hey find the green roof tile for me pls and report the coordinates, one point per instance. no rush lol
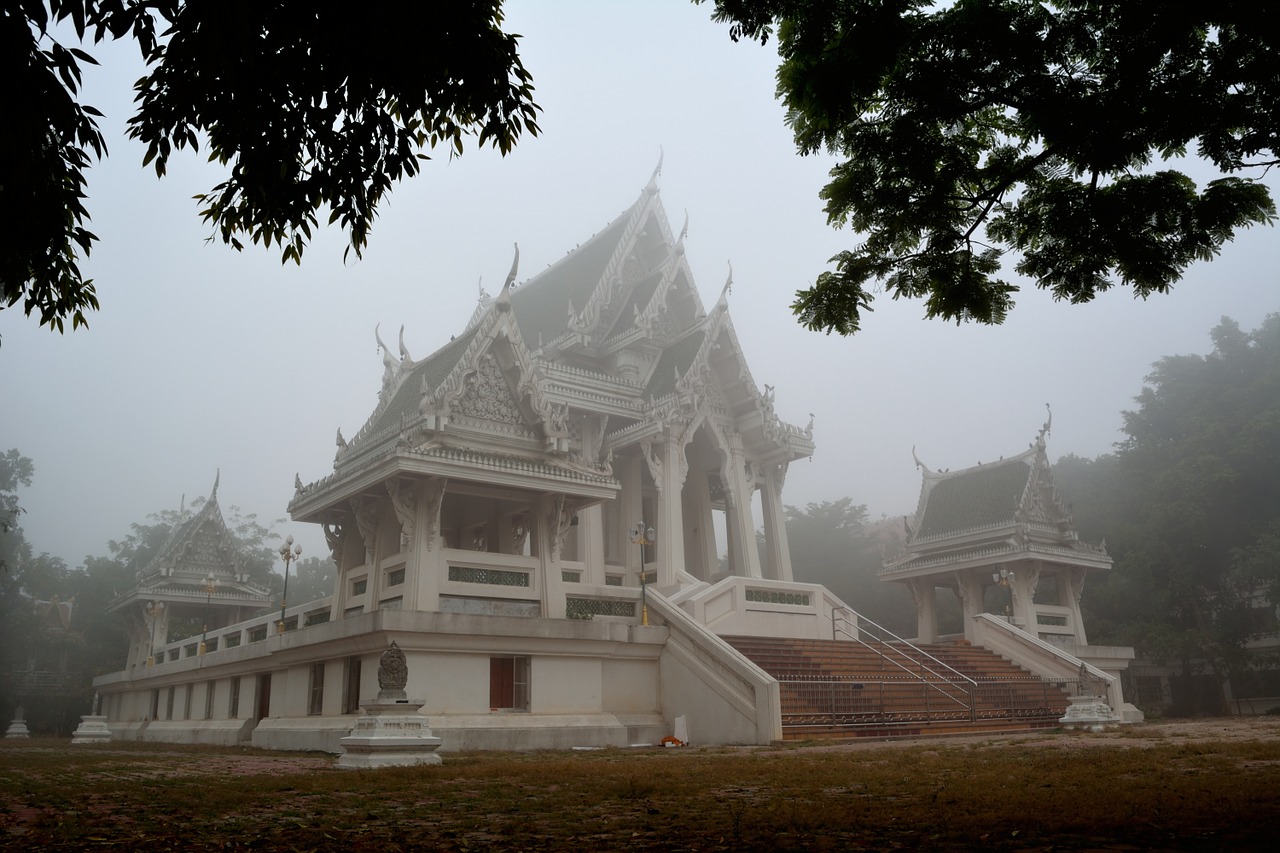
(977, 498)
(675, 358)
(541, 305)
(435, 369)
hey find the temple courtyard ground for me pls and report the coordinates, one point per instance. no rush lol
(1210, 784)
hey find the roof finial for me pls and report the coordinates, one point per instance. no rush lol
(504, 298)
(919, 464)
(723, 302)
(217, 478)
(480, 287)
(1048, 426)
(652, 186)
(404, 353)
(182, 507)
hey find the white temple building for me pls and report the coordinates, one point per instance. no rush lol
(530, 514)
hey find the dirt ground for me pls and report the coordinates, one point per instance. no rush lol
(257, 763)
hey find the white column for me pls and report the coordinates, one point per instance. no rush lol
(700, 545)
(426, 564)
(550, 521)
(591, 543)
(775, 523)
(669, 526)
(743, 552)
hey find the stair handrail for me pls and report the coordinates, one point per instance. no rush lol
(969, 689)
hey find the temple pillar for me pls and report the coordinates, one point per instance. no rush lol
(669, 525)
(591, 543)
(1071, 587)
(744, 555)
(426, 563)
(776, 545)
(969, 591)
(700, 547)
(630, 512)
(925, 595)
(553, 523)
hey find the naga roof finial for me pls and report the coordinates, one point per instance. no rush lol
(217, 478)
(652, 186)
(504, 296)
(723, 302)
(684, 232)
(919, 464)
(1048, 426)
(404, 353)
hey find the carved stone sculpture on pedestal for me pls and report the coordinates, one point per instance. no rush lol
(391, 733)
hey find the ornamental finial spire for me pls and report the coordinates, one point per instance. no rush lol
(1048, 426)
(504, 297)
(652, 186)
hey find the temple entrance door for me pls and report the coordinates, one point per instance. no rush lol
(263, 703)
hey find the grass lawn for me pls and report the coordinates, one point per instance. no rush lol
(1153, 788)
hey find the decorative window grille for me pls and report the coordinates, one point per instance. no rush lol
(353, 611)
(233, 703)
(494, 577)
(211, 645)
(359, 587)
(395, 577)
(613, 580)
(571, 577)
(232, 640)
(587, 608)
(208, 699)
(396, 603)
(258, 633)
(773, 596)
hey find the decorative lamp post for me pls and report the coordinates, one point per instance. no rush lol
(154, 610)
(642, 536)
(288, 552)
(1005, 577)
(210, 584)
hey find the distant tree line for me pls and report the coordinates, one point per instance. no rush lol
(49, 667)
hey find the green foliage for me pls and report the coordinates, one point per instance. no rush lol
(984, 126)
(1189, 507)
(311, 106)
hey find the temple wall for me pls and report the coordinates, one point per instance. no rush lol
(590, 683)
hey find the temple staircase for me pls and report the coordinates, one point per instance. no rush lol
(863, 687)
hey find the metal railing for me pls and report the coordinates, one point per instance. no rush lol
(816, 704)
(954, 685)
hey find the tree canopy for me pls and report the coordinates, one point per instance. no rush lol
(311, 106)
(1189, 507)
(980, 127)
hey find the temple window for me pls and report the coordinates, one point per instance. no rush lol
(509, 683)
(233, 699)
(315, 691)
(351, 686)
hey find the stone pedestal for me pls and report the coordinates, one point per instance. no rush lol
(92, 729)
(18, 728)
(1089, 713)
(391, 734)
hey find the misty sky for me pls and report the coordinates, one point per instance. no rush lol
(202, 358)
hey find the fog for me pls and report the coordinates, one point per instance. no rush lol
(203, 359)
